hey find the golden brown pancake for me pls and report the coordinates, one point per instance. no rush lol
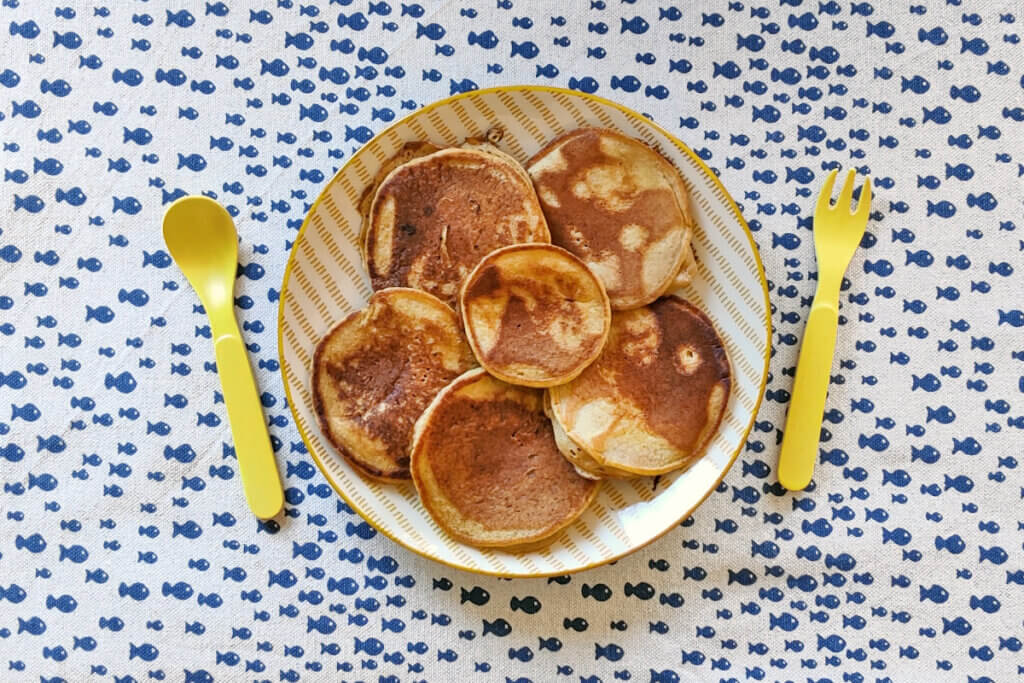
(687, 271)
(435, 217)
(409, 151)
(486, 466)
(534, 314)
(376, 371)
(415, 149)
(654, 398)
(488, 143)
(619, 206)
(585, 465)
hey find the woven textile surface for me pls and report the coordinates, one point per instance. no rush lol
(126, 549)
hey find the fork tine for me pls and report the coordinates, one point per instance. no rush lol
(864, 204)
(846, 194)
(825, 198)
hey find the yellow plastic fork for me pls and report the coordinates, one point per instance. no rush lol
(837, 232)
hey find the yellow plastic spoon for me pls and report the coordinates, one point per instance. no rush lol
(202, 240)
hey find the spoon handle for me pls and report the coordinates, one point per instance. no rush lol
(260, 478)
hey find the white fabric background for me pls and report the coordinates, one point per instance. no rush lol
(903, 635)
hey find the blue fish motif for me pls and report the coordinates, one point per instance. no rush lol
(310, 551)
(136, 591)
(935, 593)
(943, 209)
(70, 40)
(31, 203)
(323, 625)
(586, 84)
(188, 529)
(314, 112)
(968, 93)
(954, 544)
(158, 259)
(58, 87)
(882, 29)
(985, 201)
(752, 42)
(209, 599)
(767, 113)
(551, 71)
(356, 21)
(183, 454)
(976, 46)
(277, 67)
(130, 77)
(939, 115)
(958, 626)
(28, 30)
(34, 626)
(527, 49)
(431, 31)
(771, 99)
(182, 18)
(301, 40)
(361, 134)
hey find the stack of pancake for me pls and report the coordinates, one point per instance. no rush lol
(552, 277)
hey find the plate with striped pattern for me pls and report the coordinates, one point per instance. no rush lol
(325, 280)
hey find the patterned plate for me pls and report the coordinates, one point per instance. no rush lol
(325, 280)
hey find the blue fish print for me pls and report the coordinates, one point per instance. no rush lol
(94, 150)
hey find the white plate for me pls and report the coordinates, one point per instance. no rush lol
(325, 280)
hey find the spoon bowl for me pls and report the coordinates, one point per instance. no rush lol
(203, 242)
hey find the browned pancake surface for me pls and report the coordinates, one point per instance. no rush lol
(409, 151)
(487, 467)
(534, 314)
(662, 379)
(618, 205)
(678, 370)
(376, 371)
(434, 218)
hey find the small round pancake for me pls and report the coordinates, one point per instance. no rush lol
(619, 206)
(534, 314)
(581, 461)
(488, 143)
(688, 270)
(375, 372)
(408, 152)
(435, 217)
(486, 466)
(655, 397)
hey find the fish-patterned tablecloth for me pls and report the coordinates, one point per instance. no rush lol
(126, 550)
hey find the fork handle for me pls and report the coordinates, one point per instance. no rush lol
(807, 404)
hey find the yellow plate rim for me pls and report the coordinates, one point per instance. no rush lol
(633, 115)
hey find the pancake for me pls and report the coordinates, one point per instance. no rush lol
(486, 466)
(488, 143)
(534, 314)
(415, 149)
(435, 217)
(620, 207)
(654, 398)
(687, 271)
(409, 151)
(376, 371)
(585, 465)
